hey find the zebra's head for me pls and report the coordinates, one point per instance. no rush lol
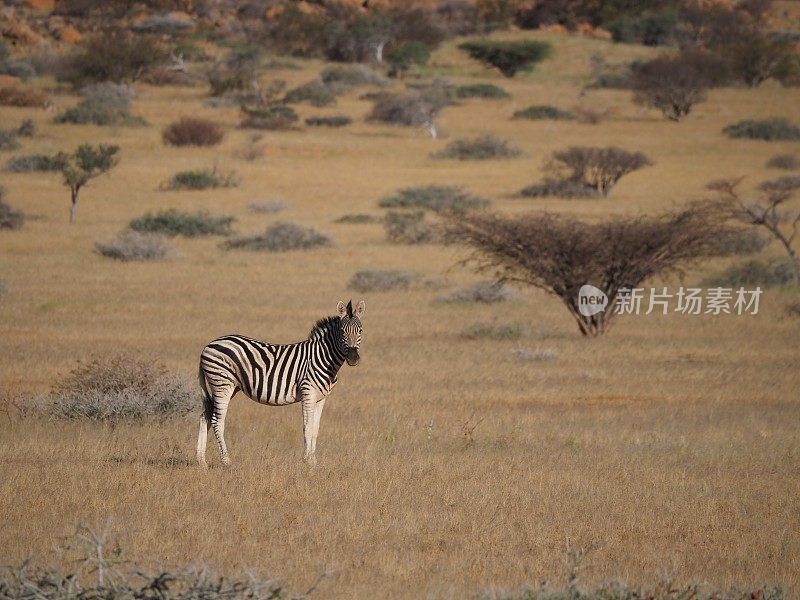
(351, 329)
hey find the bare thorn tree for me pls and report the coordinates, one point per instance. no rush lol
(598, 168)
(769, 211)
(87, 162)
(558, 254)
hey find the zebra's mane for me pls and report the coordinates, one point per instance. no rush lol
(322, 326)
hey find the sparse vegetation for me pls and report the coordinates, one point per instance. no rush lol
(120, 387)
(102, 104)
(774, 129)
(9, 217)
(201, 179)
(437, 198)
(114, 57)
(20, 97)
(507, 57)
(559, 188)
(787, 162)
(134, 246)
(483, 147)
(272, 206)
(35, 163)
(347, 76)
(406, 227)
(414, 109)
(272, 118)
(492, 331)
(315, 93)
(358, 218)
(754, 273)
(543, 112)
(282, 236)
(192, 131)
(481, 292)
(329, 121)
(480, 90)
(375, 280)
(173, 222)
(739, 242)
(8, 139)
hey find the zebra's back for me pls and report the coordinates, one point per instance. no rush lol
(267, 373)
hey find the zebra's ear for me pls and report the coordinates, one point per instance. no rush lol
(362, 306)
(341, 309)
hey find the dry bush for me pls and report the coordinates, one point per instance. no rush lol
(414, 109)
(192, 131)
(777, 272)
(253, 149)
(738, 242)
(273, 117)
(173, 222)
(14, 96)
(329, 121)
(10, 218)
(166, 75)
(121, 387)
(132, 245)
(793, 309)
(598, 168)
(270, 207)
(590, 114)
(358, 219)
(534, 355)
(480, 90)
(115, 56)
(543, 112)
(102, 104)
(201, 179)
(492, 331)
(342, 77)
(8, 139)
(483, 147)
(559, 188)
(375, 280)
(281, 237)
(774, 129)
(482, 292)
(315, 93)
(560, 254)
(437, 198)
(783, 161)
(408, 228)
(35, 163)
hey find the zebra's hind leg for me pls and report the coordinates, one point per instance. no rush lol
(202, 436)
(219, 408)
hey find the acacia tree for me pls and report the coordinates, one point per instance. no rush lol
(508, 57)
(768, 212)
(559, 254)
(87, 162)
(598, 168)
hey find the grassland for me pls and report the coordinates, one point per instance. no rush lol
(448, 467)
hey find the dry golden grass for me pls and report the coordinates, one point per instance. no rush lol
(670, 444)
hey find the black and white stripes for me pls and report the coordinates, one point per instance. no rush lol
(277, 374)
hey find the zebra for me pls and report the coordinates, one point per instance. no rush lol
(277, 375)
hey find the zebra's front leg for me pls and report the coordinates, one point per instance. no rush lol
(317, 416)
(309, 417)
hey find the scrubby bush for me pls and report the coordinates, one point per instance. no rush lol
(102, 104)
(483, 147)
(408, 227)
(480, 90)
(492, 331)
(414, 109)
(651, 28)
(281, 237)
(9, 217)
(173, 222)
(375, 280)
(403, 56)
(358, 218)
(347, 76)
(559, 188)
(272, 118)
(167, 75)
(132, 245)
(774, 129)
(270, 207)
(192, 131)
(754, 273)
(329, 121)
(26, 129)
(483, 292)
(116, 56)
(18, 67)
(35, 163)
(507, 57)
(599, 168)
(438, 198)
(119, 387)
(14, 96)
(737, 242)
(201, 179)
(783, 161)
(543, 112)
(315, 93)
(534, 355)
(8, 139)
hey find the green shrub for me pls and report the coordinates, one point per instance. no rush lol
(272, 118)
(543, 112)
(331, 121)
(767, 129)
(374, 280)
(479, 90)
(192, 131)
(649, 28)
(131, 245)
(102, 104)
(201, 179)
(508, 57)
(115, 57)
(358, 218)
(438, 198)
(407, 227)
(483, 147)
(778, 272)
(315, 93)
(172, 222)
(783, 161)
(281, 237)
(35, 163)
(403, 56)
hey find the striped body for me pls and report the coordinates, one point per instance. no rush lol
(277, 375)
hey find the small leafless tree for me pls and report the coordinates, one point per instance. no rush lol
(559, 254)
(415, 109)
(768, 211)
(674, 84)
(598, 168)
(87, 162)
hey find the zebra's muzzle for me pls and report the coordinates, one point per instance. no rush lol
(352, 357)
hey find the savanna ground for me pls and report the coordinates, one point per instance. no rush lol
(447, 467)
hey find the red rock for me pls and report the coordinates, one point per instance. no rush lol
(69, 35)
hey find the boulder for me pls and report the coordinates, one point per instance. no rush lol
(69, 35)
